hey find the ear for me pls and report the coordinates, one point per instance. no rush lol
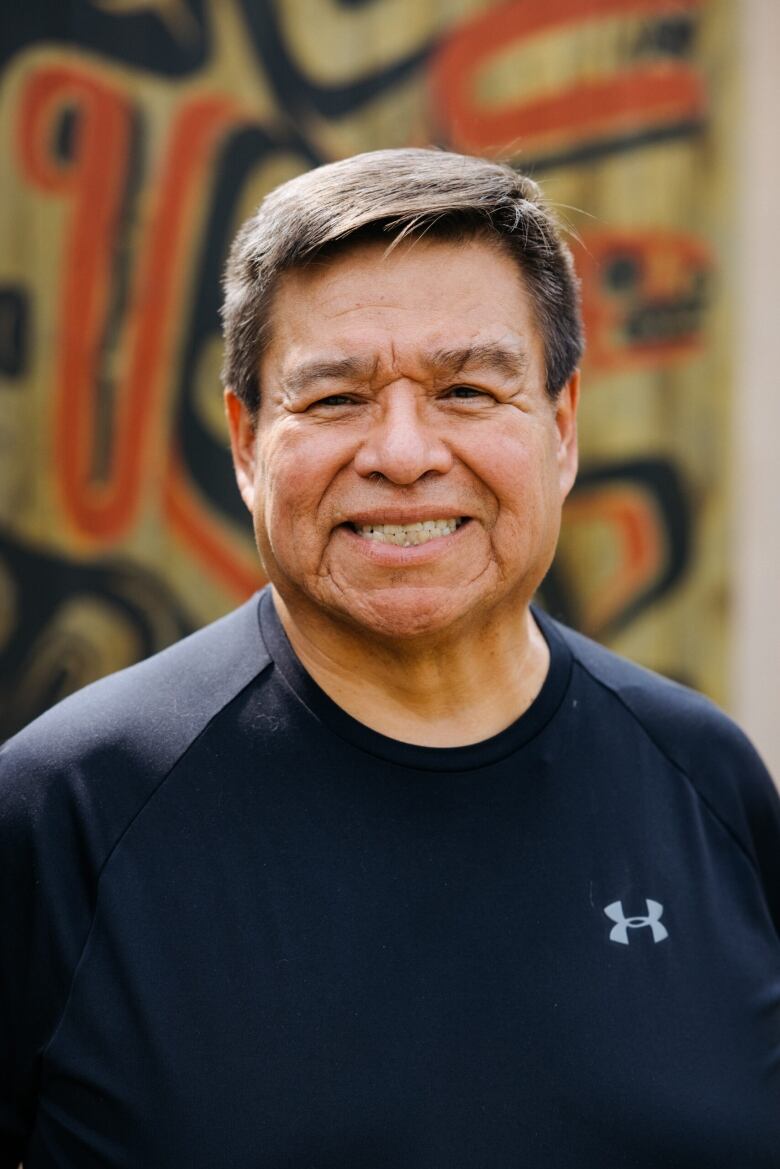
(243, 445)
(566, 425)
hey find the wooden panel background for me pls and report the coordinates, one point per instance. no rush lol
(137, 134)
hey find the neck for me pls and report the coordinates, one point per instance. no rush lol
(440, 693)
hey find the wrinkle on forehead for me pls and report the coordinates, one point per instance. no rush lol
(505, 358)
(418, 314)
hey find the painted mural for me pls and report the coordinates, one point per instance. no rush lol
(137, 134)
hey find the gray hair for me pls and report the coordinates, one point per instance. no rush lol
(393, 195)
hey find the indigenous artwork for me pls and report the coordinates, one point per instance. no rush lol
(137, 134)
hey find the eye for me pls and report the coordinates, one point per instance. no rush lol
(332, 400)
(464, 393)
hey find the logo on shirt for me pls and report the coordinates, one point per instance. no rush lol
(619, 931)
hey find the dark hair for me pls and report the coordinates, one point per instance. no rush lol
(393, 195)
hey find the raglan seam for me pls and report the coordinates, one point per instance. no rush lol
(724, 824)
(123, 833)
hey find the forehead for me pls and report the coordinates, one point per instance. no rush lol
(421, 295)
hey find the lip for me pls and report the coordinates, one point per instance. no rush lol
(416, 515)
(393, 555)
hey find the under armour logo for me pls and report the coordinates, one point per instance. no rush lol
(619, 932)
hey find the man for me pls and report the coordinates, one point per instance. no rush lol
(387, 868)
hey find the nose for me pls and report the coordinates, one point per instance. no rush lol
(404, 442)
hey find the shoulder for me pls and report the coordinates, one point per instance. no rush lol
(708, 750)
(71, 784)
(682, 722)
(104, 749)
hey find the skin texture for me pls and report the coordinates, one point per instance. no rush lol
(401, 387)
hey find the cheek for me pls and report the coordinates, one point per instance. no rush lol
(517, 472)
(293, 478)
(523, 477)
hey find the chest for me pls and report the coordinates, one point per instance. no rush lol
(443, 983)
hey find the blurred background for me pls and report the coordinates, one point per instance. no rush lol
(136, 135)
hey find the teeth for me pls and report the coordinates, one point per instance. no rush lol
(405, 535)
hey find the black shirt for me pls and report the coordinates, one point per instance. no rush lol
(239, 928)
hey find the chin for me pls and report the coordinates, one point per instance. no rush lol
(407, 614)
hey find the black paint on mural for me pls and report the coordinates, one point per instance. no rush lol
(14, 330)
(173, 40)
(298, 94)
(43, 657)
(663, 485)
(122, 262)
(203, 454)
(598, 149)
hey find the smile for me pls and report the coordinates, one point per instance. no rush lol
(408, 535)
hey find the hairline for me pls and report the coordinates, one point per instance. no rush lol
(390, 196)
(371, 236)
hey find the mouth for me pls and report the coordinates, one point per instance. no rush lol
(408, 535)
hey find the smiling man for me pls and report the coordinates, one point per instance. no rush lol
(388, 868)
(405, 468)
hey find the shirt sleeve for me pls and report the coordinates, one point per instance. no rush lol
(762, 819)
(46, 898)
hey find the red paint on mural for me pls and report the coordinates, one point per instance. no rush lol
(639, 554)
(222, 558)
(645, 296)
(94, 178)
(640, 97)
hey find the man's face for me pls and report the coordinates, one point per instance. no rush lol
(400, 390)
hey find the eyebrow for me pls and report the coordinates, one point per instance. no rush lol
(350, 369)
(510, 361)
(492, 355)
